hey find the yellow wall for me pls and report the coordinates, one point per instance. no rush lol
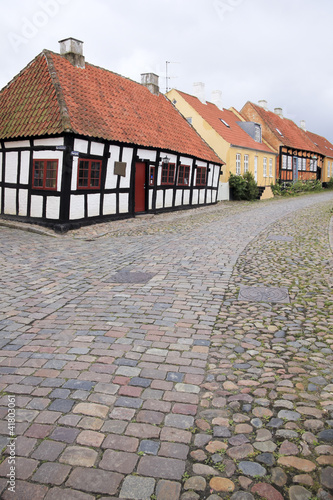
(324, 174)
(221, 147)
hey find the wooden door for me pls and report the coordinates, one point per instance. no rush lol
(140, 187)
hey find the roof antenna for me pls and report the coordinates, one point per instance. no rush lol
(167, 77)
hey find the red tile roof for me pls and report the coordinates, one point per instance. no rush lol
(233, 134)
(291, 135)
(51, 96)
(325, 147)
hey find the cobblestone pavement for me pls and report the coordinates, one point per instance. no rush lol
(181, 356)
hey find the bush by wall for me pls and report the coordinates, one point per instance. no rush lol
(243, 187)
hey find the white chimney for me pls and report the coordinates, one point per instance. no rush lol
(278, 111)
(302, 125)
(263, 104)
(150, 80)
(199, 91)
(217, 98)
(72, 50)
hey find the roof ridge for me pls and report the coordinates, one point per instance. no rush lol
(64, 114)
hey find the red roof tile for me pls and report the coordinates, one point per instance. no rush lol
(325, 147)
(291, 135)
(51, 96)
(233, 134)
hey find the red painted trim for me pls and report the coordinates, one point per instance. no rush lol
(44, 187)
(169, 169)
(88, 178)
(186, 175)
(202, 177)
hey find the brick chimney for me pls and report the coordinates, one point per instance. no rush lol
(217, 98)
(278, 111)
(150, 80)
(72, 50)
(263, 104)
(199, 91)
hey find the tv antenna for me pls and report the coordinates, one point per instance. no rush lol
(167, 77)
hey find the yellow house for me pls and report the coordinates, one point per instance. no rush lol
(237, 142)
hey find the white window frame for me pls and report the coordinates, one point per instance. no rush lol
(290, 163)
(246, 163)
(238, 163)
(265, 166)
(329, 168)
(284, 162)
(271, 167)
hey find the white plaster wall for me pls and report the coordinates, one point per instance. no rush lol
(36, 206)
(24, 174)
(76, 210)
(216, 175)
(0, 167)
(74, 173)
(168, 197)
(93, 204)
(123, 203)
(11, 167)
(52, 207)
(127, 157)
(111, 179)
(195, 197)
(81, 145)
(159, 199)
(209, 196)
(97, 148)
(150, 199)
(186, 197)
(201, 163)
(179, 196)
(202, 196)
(51, 141)
(147, 154)
(17, 144)
(23, 202)
(210, 175)
(10, 201)
(223, 192)
(51, 155)
(109, 204)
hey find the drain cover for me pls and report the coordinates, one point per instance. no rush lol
(280, 237)
(130, 277)
(263, 294)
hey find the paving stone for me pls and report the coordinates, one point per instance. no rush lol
(241, 495)
(122, 443)
(24, 467)
(149, 447)
(298, 463)
(64, 434)
(204, 470)
(94, 480)
(62, 405)
(119, 461)
(127, 402)
(94, 410)
(326, 477)
(173, 450)
(48, 450)
(79, 455)
(51, 473)
(252, 469)
(164, 468)
(179, 421)
(299, 493)
(26, 491)
(221, 484)
(265, 490)
(139, 488)
(196, 483)
(165, 490)
(67, 494)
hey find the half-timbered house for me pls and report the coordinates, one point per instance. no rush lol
(326, 149)
(80, 144)
(299, 158)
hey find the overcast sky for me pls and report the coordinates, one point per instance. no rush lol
(278, 50)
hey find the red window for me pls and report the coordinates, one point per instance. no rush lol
(168, 173)
(201, 176)
(45, 174)
(89, 174)
(184, 175)
(151, 176)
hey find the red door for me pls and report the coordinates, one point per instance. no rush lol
(140, 187)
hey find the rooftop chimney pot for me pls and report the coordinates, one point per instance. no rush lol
(278, 111)
(199, 91)
(302, 125)
(72, 50)
(150, 80)
(263, 104)
(217, 98)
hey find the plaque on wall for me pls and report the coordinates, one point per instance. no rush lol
(120, 168)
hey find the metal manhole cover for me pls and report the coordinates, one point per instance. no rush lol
(280, 237)
(263, 294)
(130, 277)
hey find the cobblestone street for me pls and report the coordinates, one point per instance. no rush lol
(178, 356)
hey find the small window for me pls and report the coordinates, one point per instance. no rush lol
(184, 175)
(238, 164)
(279, 131)
(290, 163)
(189, 120)
(225, 123)
(201, 176)
(45, 174)
(265, 167)
(151, 176)
(168, 173)
(246, 163)
(89, 174)
(270, 167)
(257, 132)
(284, 162)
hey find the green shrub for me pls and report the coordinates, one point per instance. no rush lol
(243, 187)
(329, 184)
